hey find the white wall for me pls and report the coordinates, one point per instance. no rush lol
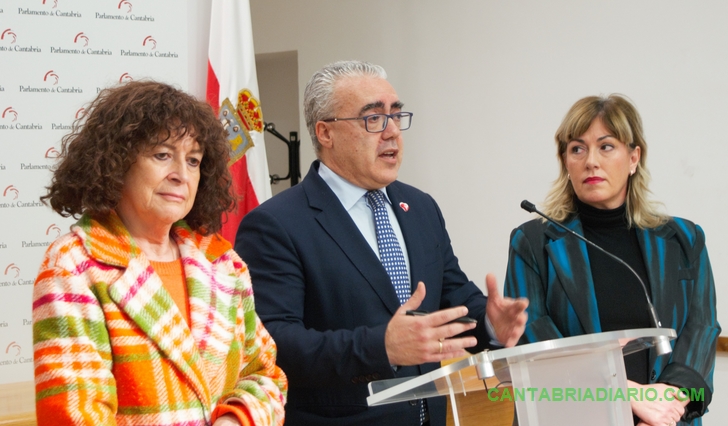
(490, 81)
(718, 408)
(278, 86)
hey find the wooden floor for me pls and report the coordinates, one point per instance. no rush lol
(476, 409)
(24, 419)
(17, 404)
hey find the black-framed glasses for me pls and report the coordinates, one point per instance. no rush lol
(376, 123)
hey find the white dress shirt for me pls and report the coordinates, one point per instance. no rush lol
(354, 201)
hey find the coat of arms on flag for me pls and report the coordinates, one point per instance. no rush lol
(240, 121)
(232, 90)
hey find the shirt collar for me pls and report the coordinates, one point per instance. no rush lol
(347, 193)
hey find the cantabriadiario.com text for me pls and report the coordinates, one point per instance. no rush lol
(559, 394)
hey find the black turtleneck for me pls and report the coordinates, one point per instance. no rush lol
(620, 298)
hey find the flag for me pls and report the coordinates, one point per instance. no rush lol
(232, 90)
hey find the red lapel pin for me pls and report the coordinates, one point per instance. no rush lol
(404, 206)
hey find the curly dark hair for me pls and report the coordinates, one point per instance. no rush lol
(118, 125)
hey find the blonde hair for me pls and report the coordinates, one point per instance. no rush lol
(621, 118)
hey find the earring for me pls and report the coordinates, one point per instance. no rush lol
(631, 172)
(568, 176)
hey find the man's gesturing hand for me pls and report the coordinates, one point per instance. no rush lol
(507, 316)
(414, 340)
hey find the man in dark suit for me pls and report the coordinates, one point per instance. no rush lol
(325, 273)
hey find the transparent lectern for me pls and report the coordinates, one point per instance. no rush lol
(566, 381)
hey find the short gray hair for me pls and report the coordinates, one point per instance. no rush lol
(318, 98)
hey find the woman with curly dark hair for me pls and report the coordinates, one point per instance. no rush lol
(143, 314)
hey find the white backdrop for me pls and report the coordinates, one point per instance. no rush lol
(55, 56)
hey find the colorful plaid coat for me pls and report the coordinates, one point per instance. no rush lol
(112, 348)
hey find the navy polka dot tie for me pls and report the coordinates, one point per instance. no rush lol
(390, 252)
(392, 258)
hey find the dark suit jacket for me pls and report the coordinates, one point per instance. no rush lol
(551, 268)
(326, 299)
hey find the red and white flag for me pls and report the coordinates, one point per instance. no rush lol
(232, 89)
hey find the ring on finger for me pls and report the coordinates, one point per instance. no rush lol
(440, 342)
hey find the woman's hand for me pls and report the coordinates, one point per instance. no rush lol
(662, 411)
(226, 420)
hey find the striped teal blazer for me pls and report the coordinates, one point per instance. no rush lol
(551, 268)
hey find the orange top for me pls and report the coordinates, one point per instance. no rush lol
(173, 278)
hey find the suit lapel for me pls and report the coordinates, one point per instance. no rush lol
(568, 256)
(419, 252)
(337, 223)
(662, 259)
